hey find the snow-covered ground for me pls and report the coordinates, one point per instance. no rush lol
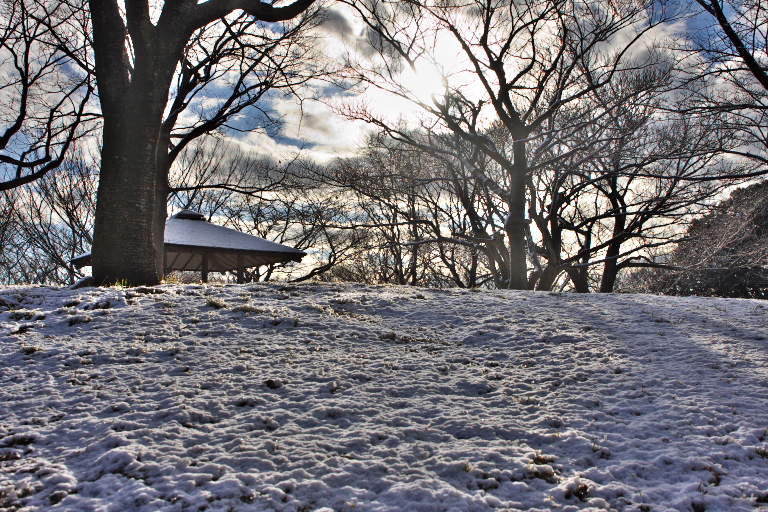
(342, 397)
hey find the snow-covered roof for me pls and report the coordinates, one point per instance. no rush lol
(199, 233)
(188, 237)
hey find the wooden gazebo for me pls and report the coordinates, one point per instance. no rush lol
(193, 244)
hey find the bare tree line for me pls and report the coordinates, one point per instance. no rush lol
(581, 147)
(580, 150)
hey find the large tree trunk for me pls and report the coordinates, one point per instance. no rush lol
(580, 279)
(548, 276)
(130, 209)
(516, 221)
(125, 242)
(610, 267)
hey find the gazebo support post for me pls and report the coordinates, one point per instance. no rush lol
(205, 268)
(240, 269)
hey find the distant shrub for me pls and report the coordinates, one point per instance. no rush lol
(216, 303)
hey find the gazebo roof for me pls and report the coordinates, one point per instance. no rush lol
(190, 240)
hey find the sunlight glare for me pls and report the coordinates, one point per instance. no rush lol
(423, 83)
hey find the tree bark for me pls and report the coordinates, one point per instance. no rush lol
(610, 270)
(579, 278)
(547, 278)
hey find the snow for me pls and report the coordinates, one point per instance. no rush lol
(199, 233)
(341, 397)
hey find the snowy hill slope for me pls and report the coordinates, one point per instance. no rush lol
(347, 397)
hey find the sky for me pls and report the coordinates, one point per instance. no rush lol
(318, 127)
(315, 126)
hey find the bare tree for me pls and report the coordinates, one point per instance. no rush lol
(304, 217)
(402, 196)
(610, 213)
(50, 222)
(385, 188)
(737, 37)
(592, 218)
(532, 60)
(209, 173)
(732, 80)
(252, 63)
(44, 100)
